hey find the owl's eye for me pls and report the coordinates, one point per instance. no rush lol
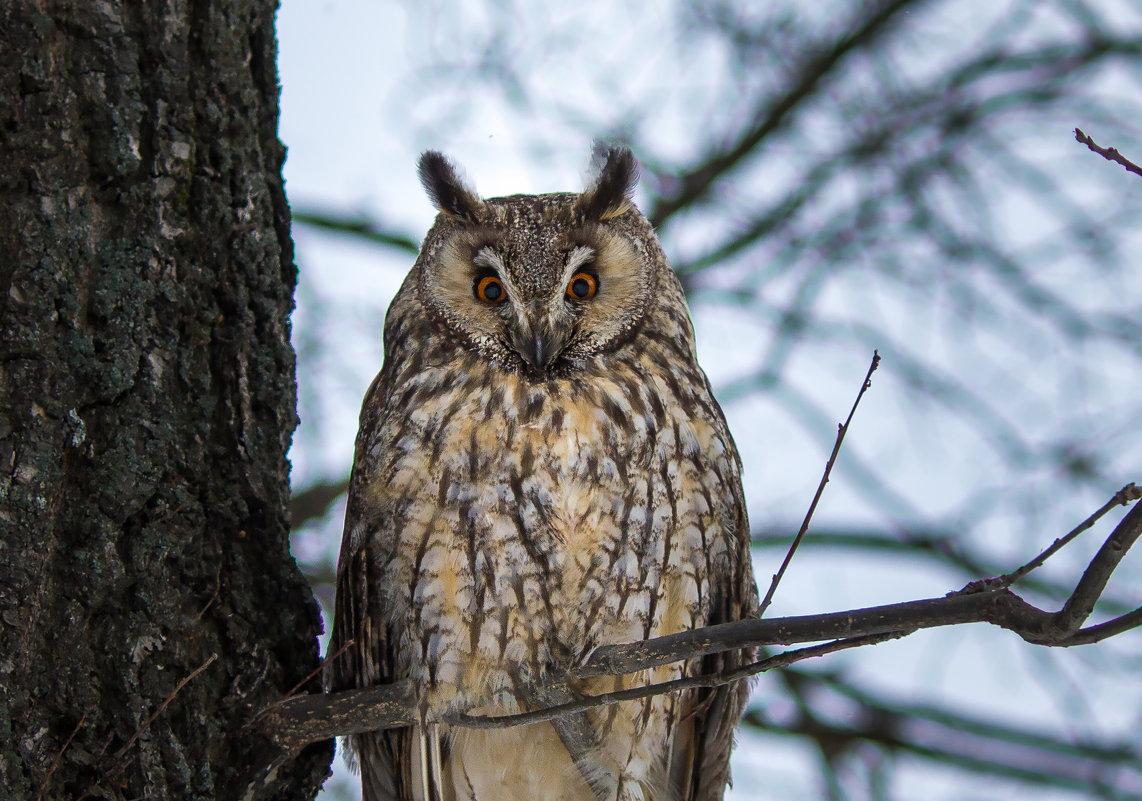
(489, 289)
(582, 286)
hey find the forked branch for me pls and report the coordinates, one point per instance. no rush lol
(301, 720)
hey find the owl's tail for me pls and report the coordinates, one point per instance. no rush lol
(427, 765)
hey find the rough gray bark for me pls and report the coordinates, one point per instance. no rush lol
(146, 402)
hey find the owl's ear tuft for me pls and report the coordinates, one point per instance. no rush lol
(615, 174)
(446, 189)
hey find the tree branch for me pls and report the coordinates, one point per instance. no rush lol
(1108, 153)
(358, 227)
(842, 429)
(295, 722)
(313, 502)
(674, 685)
(822, 63)
(945, 736)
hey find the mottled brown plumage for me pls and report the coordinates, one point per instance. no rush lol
(541, 469)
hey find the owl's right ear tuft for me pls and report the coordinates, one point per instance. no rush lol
(446, 189)
(615, 171)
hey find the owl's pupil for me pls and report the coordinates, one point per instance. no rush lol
(492, 292)
(581, 287)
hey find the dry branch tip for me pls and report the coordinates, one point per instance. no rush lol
(1108, 153)
(842, 429)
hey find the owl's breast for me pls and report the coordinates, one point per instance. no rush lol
(532, 522)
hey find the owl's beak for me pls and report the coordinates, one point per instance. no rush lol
(538, 344)
(539, 350)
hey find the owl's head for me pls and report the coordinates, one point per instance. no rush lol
(539, 282)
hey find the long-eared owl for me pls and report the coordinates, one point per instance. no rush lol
(541, 469)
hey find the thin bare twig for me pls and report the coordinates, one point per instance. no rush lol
(842, 429)
(316, 670)
(151, 719)
(1123, 497)
(214, 595)
(674, 685)
(1108, 153)
(59, 756)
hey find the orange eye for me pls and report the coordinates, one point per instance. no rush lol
(582, 286)
(490, 289)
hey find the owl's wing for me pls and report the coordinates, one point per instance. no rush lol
(700, 768)
(359, 618)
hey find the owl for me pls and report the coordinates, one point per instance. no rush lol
(541, 469)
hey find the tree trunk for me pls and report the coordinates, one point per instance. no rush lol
(146, 402)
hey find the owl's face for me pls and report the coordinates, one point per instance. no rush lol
(538, 283)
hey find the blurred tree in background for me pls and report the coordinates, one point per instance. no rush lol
(828, 179)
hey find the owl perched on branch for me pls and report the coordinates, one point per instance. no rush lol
(541, 469)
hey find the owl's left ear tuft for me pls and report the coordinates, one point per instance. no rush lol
(446, 189)
(608, 194)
